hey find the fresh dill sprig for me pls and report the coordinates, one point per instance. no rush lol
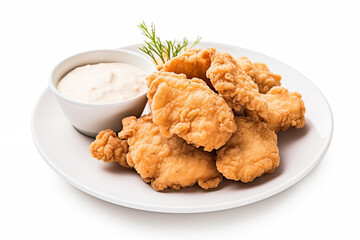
(154, 47)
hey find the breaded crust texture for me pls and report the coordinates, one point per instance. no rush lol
(234, 85)
(189, 109)
(251, 152)
(167, 162)
(109, 148)
(192, 63)
(260, 74)
(286, 109)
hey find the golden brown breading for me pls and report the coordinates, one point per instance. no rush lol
(234, 85)
(192, 63)
(189, 109)
(167, 162)
(260, 74)
(251, 151)
(286, 109)
(109, 148)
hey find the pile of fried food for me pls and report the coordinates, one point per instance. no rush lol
(212, 116)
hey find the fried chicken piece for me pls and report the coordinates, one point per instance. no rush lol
(109, 148)
(251, 151)
(192, 63)
(286, 109)
(234, 85)
(189, 109)
(260, 74)
(167, 162)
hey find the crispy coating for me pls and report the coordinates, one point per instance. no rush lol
(251, 151)
(189, 109)
(192, 63)
(286, 109)
(167, 162)
(234, 85)
(260, 74)
(109, 148)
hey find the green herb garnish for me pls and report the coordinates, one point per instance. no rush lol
(154, 46)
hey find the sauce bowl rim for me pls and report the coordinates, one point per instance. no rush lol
(53, 88)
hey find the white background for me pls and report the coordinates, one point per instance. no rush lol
(318, 38)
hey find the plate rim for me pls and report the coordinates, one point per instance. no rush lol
(193, 209)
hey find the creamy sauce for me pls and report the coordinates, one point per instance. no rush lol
(103, 83)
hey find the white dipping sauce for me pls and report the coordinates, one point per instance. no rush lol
(103, 83)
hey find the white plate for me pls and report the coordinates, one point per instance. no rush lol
(67, 152)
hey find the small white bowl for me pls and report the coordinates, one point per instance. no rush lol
(89, 118)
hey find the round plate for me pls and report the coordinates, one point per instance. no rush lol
(67, 152)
